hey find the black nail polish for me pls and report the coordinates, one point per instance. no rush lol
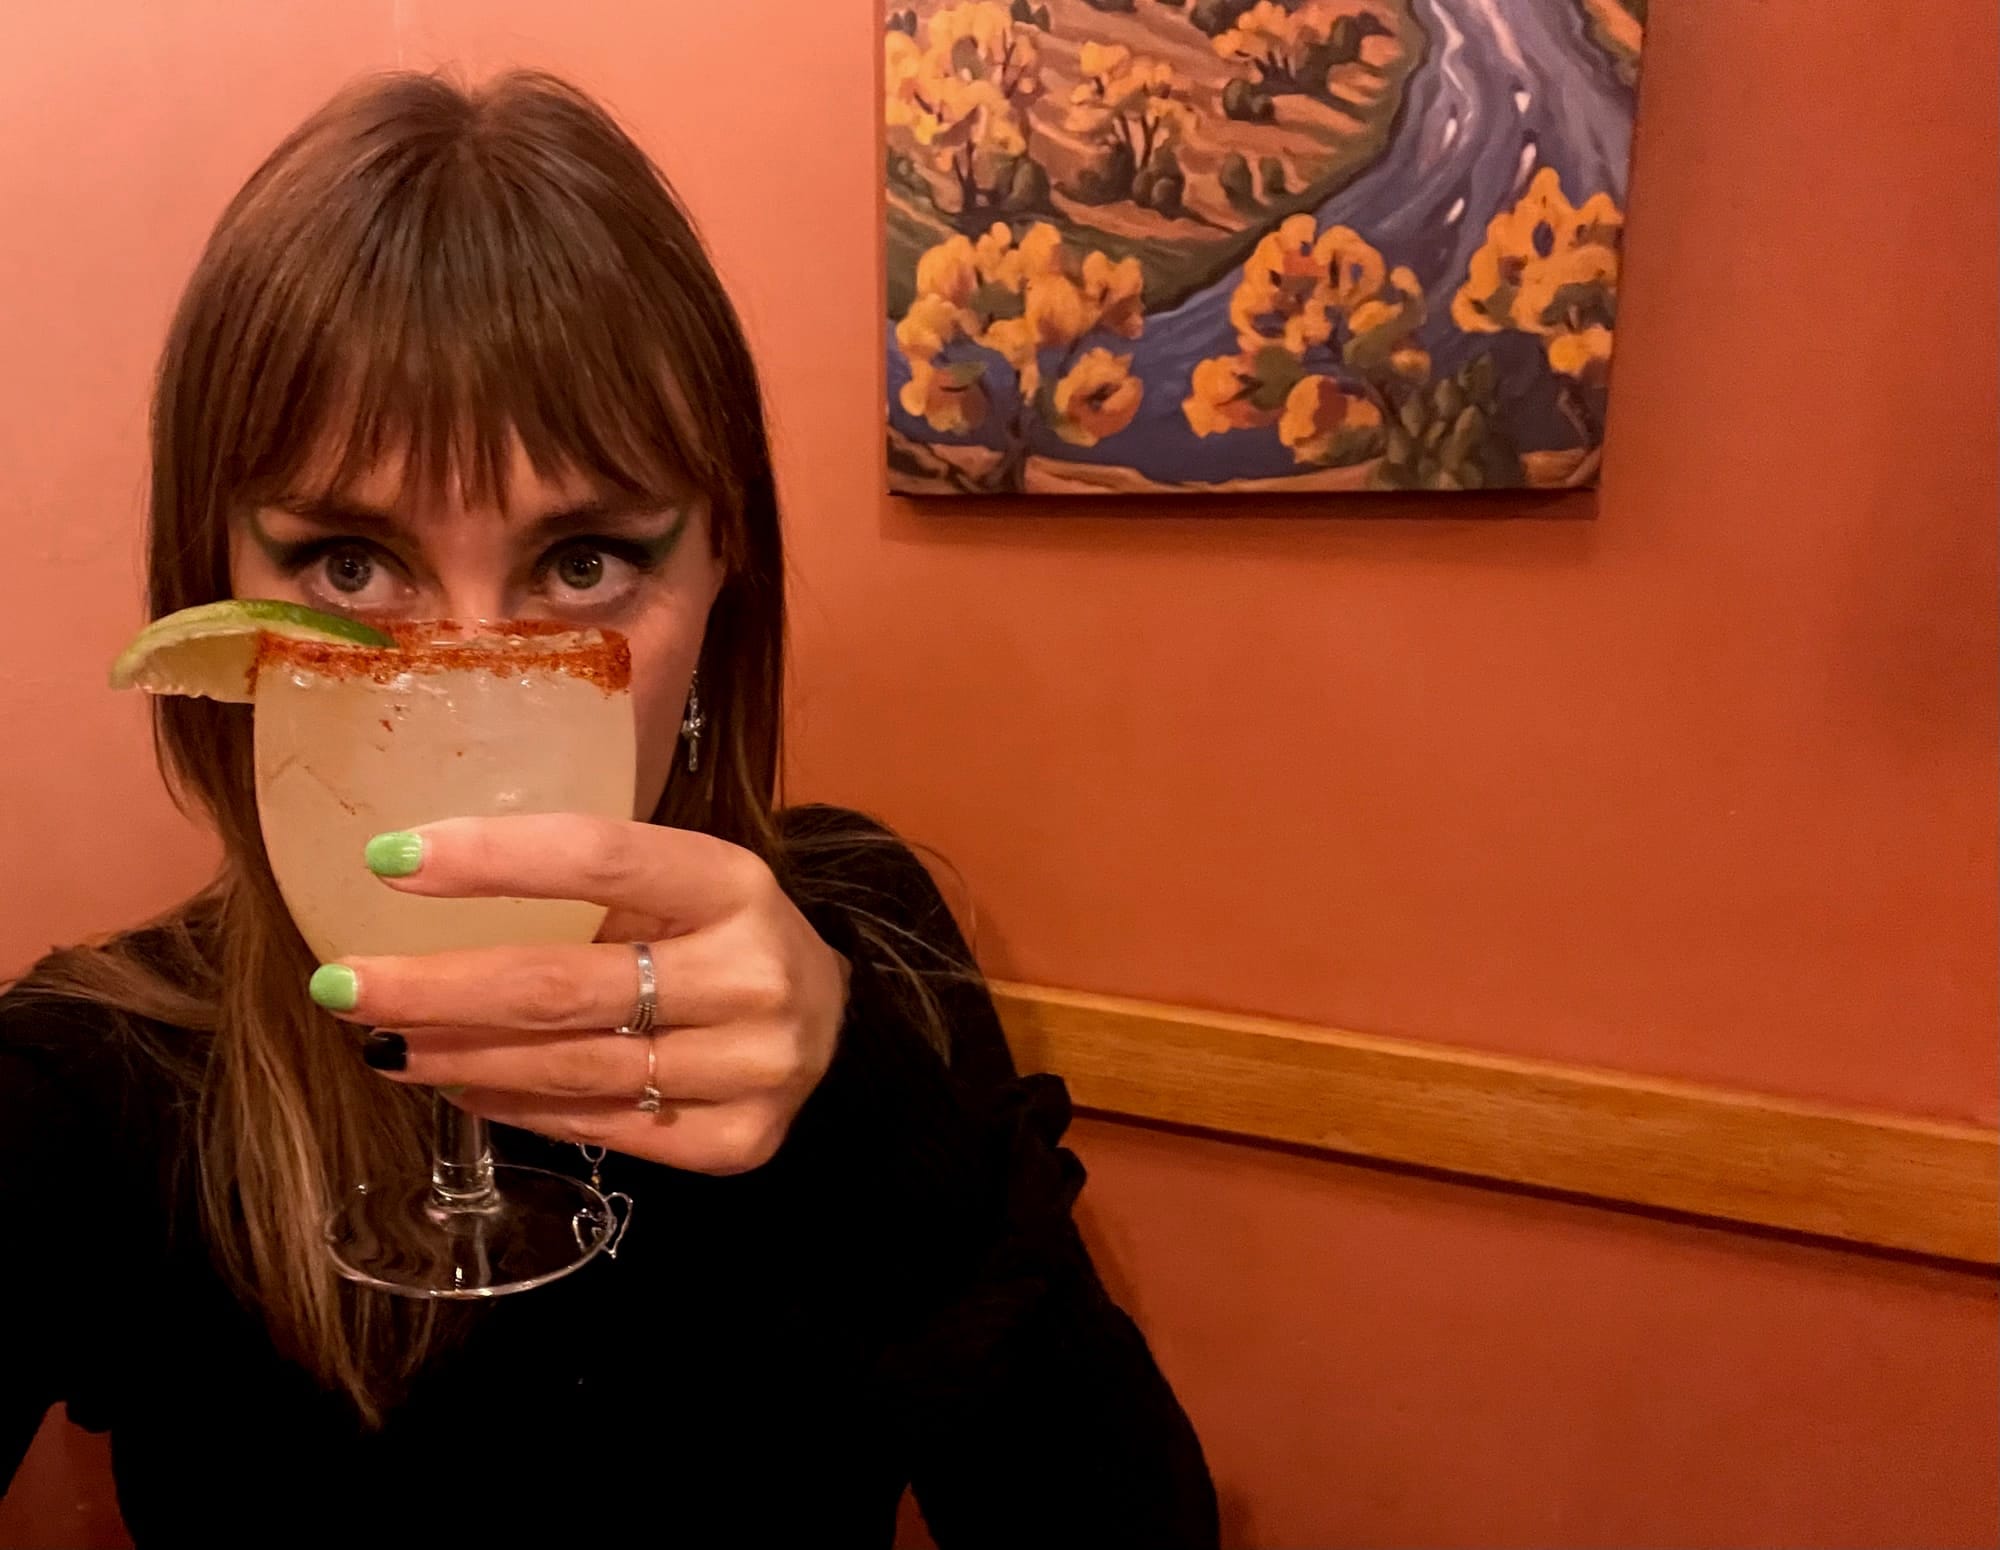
(385, 1052)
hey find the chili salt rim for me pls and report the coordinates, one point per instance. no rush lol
(597, 655)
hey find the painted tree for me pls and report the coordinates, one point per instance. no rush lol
(1136, 109)
(958, 86)
(1291, 49)
(1043, 312)
(1326, 346)
(1550, 269)
(1328, 355)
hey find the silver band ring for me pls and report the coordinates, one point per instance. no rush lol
(649, 1095)
(641, 1020)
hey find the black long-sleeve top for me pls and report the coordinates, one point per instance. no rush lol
(898, 1299)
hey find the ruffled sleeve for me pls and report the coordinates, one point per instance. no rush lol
(1027, 1406)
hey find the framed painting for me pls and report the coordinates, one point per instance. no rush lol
(1250, 245)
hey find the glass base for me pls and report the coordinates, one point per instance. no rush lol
(536, 1227)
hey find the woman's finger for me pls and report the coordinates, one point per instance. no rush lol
(674, 875)
(718, 1138)
(703, 1065)
(703, 980)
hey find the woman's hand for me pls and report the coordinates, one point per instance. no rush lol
(750, 1000)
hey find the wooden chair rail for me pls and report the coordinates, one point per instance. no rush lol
(1892, 1181)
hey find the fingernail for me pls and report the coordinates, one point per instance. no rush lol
(335, 987)
(453, 1092)
(385, 1052)
(396, 854)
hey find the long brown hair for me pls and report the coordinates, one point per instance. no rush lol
(423, 269)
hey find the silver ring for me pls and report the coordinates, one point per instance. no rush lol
(641, 1020)
(649, 1095)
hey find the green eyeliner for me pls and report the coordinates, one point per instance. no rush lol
(278, 554)
(657, 549)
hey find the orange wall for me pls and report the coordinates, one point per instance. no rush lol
(1695, 776)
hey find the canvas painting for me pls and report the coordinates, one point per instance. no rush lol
(1253, 245)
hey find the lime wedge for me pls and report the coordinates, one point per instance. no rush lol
(212, 650)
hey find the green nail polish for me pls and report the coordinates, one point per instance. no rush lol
(395, 855)
(335, 987)
(453, 1092)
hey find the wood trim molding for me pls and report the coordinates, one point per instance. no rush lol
(1890, 1181)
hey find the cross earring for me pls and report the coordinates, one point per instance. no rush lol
(691, 723)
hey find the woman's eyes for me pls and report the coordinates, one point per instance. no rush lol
(579, 569)
(355, 575)
(594, 573)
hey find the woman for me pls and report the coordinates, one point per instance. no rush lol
(459, 354)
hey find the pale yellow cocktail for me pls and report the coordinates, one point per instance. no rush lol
(359, 733)
(353, 741)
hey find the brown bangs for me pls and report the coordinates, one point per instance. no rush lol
(446, 287)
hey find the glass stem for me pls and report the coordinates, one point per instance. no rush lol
(461, 1158)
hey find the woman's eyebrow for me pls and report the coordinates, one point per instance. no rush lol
(331, 514)
(349, 515)
(341, 512)
(597, 513)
